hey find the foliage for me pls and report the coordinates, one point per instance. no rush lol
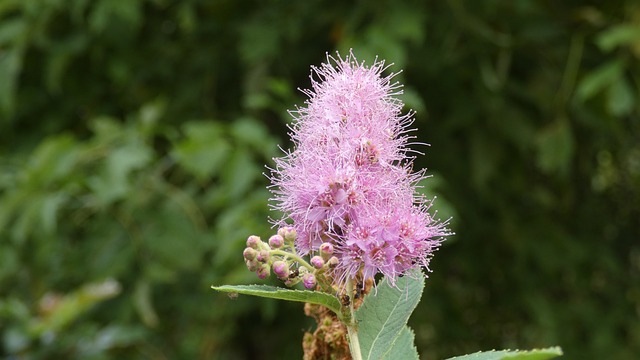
(133, 136)
(382, 318)
(114, 206)
(537, 354)
(306, 296)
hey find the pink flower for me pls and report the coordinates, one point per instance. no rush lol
(348, 181)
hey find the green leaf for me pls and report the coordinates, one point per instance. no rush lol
(49, 211)
(620, 97)
(413, 100)
(115, 181)
(555, 147)
(598, 79)
(403, 347)
(12, 31)
(171, 222)
(203, 150)
(385, 312)
(143, 302)
(53, 160)
(484, 159)
(69, 307)
(535, 354)
(314, 297)
(10, 66)
(105, 13)
(11, 264)
(110, 337)
(61, 58)
(240, 174)
(624, 34)
(250, 132)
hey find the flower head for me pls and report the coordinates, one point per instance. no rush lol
(348, 181)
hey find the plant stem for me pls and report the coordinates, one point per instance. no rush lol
(295, 257)
(352, 326)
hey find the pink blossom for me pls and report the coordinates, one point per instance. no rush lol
(348, 180)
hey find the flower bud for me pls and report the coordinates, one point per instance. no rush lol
(249, 253)
(333, 262)
(281, 269)
(317, 262)
(264, 271)
(309, 281)
(263, 256)
(276, 241)
(326, 250)
(253, 242)
(288, 233)
(252, 265)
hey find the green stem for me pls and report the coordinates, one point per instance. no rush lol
(352, 326)
(570, 72)
(294, 257)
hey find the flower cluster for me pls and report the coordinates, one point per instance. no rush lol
(348, 182)
(279, 255)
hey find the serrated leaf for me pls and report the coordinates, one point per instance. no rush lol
(314, 297)
(403, 347)
(535, 354)
(385, 313)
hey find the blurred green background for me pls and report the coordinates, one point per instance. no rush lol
(134, 134)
